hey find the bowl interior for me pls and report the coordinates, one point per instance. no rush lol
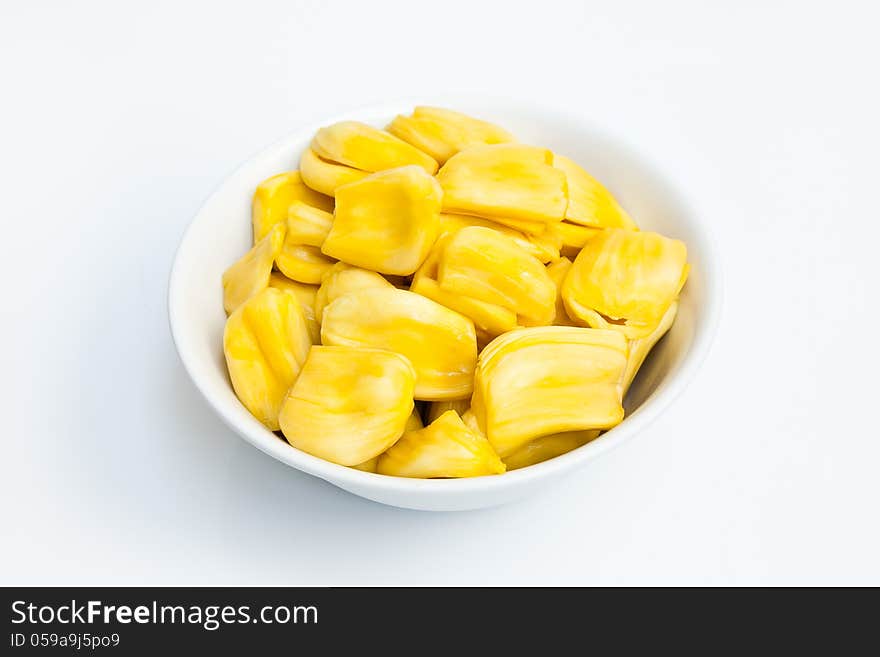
(221, 233)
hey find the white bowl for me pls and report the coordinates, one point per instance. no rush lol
(221, 233)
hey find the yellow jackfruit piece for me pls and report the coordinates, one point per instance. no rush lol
(341, 280)
(251, 273)
(305, 294)
(303, 263)
(265, 343)
(307, 224)
(488, 318)
(274, 195)
(625, 280)
(386, 222)
(325, 177)
(349, 404)
(364, 147)
(413, 423)
(441, 133)
(573, 237)
(534, 245)
(637, 350)
(558, 271)
(441, 344)
(504, 181)
(589, 203)
(486, 265)
(548, 447)
(438, 408)
(445, 448)
(535, 382)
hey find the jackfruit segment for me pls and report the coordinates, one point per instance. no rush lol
(575, 372)
(265, 343)
(558, 271)
(438, 408)
(504, 181)
(574, 237)
(326, 177)
(364, 147)
(305, 294)
(343, 279)
(537, 246)
(413, 423)
(489, 319)
(638, 350)
(274, 195)
(349, 404)
(303, 263)
(386, 222)
(589, 203)
(251, 273)
(548, 447)
(442, 133)
(625, 280)
(486, 265)
(445, 448)
(441, 344)
(307, 225)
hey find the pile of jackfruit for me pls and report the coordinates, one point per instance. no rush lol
(438, 300)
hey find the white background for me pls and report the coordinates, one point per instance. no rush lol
(118, 119)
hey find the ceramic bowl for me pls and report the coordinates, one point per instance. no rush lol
(221, 232)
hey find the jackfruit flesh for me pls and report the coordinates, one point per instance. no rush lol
(504, 181)
(442, 133)
(638, 350)
(363, 147)
(548, 447)
(486, 265)
(386, 222)
(326, 177)
(274, 196)
(349, 404)
(445, 448)
(589, 202)
(250, 274)
(440, 343)
(576, 372)
(303, 263)
(305, 294)
(535, 245)
(489, 318)
(265, 343)
(307, 224)
(625, 280)
(343, 279)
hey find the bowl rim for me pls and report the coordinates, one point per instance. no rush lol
(346, 477)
